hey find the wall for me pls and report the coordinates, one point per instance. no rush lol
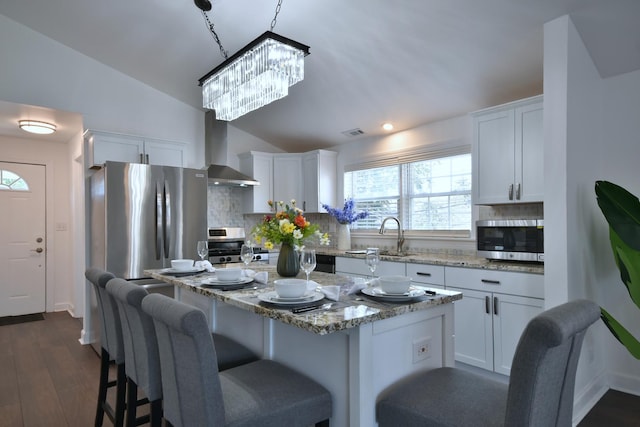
(590, 126)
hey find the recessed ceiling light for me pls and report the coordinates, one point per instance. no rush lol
(33, 126)
(387, 126)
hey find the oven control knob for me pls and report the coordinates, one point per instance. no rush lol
(221, 259)
(228, 259)
(257, 257)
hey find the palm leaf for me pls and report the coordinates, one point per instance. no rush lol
(621, 334)
(628, 262)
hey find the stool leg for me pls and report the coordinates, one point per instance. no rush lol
(121, 388)
(132, 398)
(102, 387)
(156, 413)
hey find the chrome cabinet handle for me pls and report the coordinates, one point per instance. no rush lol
(511, 192)
(518, 192)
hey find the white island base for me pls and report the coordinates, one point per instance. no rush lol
(354, 364)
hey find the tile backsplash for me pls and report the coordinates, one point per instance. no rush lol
(225, 206)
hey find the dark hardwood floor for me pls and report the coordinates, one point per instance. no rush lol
(48, 379)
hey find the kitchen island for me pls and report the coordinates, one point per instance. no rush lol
(355, 348)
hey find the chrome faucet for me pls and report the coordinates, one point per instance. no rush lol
(400, 233)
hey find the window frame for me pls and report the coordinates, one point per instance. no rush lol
(402, 159)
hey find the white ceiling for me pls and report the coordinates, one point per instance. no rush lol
(406, 61)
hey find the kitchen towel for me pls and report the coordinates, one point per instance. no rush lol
(260, 276)
(204, 265)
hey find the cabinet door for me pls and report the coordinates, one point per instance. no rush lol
(260, 167)
(511, 314)
(287, 178)
(473, 329)
(113, 147)
(494, 157)
(319, 178)
(163, 153)
(529, 154)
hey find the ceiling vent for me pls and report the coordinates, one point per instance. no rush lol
(353, 132)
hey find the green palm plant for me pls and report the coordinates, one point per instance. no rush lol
(622, 211)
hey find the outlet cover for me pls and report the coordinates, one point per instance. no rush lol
(421, 349)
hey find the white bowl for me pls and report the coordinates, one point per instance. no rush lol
(290, 288)
(228, 274)
(395, 284)
(181, 264)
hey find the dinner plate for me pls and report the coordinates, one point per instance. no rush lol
(214, 281)
(376, 292)
(273, 298)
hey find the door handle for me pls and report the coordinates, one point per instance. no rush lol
(495, 305)
(420, 273)
(487, 304)
(39, 250)
(518, 192)
(511, 192)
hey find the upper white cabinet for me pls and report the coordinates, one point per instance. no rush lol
(259, 166)
(508, 153)
(319, 178)
(105, 146)
(309, 178)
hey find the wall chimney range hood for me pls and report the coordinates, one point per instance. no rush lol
(215, 150)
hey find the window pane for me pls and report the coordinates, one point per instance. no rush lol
(435, 196)
(11, 181)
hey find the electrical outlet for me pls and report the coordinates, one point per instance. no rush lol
(421, 349)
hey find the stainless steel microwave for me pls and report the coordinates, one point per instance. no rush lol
(511, 239)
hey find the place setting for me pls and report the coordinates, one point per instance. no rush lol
(395, 289)
(182, 268)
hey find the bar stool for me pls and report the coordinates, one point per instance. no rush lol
(262, 393)
(112, 350)
(142, 361)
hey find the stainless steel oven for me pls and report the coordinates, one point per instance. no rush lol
(224, 246)
(511, 239)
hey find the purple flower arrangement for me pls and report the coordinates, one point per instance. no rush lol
(346, 215)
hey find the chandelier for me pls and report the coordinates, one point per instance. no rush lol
(258, 74)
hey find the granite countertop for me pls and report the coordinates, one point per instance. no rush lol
(466, 261)
(349, 312)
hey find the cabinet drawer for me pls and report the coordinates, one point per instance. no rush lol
(358, 267)
(506, 282)
(426, 273)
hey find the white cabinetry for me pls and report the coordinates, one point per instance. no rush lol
(427, 275)
(104, 146)
(319, 178)
(309, 178)
(287, 178)
(508, 153)
(357, 267)
(494, 310)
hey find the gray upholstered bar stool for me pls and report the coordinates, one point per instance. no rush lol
(540, 390)
(142, 362)
(112, 349)
(263, 393)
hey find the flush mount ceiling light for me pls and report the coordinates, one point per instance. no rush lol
(387, 126)
(33, 126)
(258, 74)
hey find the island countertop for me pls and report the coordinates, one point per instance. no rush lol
(349, 312)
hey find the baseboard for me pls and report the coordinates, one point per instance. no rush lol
(586, 398)
(64, 306)
(625, 383)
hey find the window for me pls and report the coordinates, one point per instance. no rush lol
(429, 192)
(11, 181)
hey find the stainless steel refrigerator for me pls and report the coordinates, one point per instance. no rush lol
(142, 217)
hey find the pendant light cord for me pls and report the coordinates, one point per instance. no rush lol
(215, 36)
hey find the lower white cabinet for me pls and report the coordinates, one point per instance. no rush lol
(488, 327)
(490, 318)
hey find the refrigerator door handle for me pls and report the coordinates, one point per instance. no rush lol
(159, 221)
(167, 219)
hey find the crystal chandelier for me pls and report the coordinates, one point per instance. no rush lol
(260, 73)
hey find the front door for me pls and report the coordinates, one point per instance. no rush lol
(22, 239)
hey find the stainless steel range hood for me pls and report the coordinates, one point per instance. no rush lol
(215, 150)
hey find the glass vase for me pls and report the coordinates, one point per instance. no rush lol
(288, 261)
